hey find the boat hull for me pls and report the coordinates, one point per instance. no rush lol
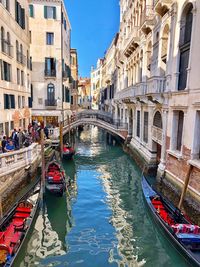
(186, 253)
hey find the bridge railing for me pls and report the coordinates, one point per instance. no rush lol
(102, 116)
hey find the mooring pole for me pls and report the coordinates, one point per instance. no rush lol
(61, 139)
(43, 163)
(1, 208)
(187, 179)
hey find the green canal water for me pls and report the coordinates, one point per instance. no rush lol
(104, 222)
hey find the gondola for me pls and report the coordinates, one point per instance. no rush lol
(55, 179)
(15, 225)
(184, 235)
(68, 152)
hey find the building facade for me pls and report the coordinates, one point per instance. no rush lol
(15, 89)
(96, 80)
(157, 86)
(50, 34)
(84, 86)
(74, 80)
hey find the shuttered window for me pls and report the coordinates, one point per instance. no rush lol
(49, 12)
(31, 11)
(180, 130)
(138, 124)
(145, 130)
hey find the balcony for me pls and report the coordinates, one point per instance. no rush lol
(148, 19)
(156, 134)
(50, 103)
(162, 6)
(50, 73)
(132, 42)
(6, 48)
(21, 58)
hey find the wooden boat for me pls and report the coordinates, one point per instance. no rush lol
(68, 152)
(55, 178)
(15, 226)
(180, 231)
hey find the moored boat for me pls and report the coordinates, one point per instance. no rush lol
(180, 231)
(55, 178)
(15, 226)
(68, 152)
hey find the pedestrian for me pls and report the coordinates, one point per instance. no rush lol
(10, 146)
(46, 131)
(20, 138)
(3, 144)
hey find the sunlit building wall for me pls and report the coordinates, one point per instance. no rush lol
(15, 89)
(158, 84)
(50, 34)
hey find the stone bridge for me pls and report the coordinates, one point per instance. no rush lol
(98, 118)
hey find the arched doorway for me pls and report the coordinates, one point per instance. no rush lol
(130, 123)
(157, 135)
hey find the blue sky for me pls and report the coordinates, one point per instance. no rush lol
(94, 24)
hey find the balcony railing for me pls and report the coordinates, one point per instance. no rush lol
(50, 73)
(21, 58)
(148, 16)
(156, 85)
(50, 103)
(157, 134)
(133, 36)
(6, 48)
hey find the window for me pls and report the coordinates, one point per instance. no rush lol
(9, 101)
(49, 38)
(196, 139)
(22, 78)
(19, 101)
(157, 120)
(67, 95)
(145, 132)
(50, 94)
(185, 39)
(31, 11)
(18, 76)
(19, 15)
(49, 12)
(23, 101)
(6, 4)
(5, 71)
(138, 124)
(177, 130)
(50, 67)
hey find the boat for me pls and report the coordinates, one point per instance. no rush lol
(184, 235)
(55, 178)
(16, 224)
(68, 152)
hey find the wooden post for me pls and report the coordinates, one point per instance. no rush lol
(1, 208)
(43, 163)
(69, 128)
(61, 139)
(187, 179)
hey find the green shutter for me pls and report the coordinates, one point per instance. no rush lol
(54, 12)
(31, 11)
(45, 12)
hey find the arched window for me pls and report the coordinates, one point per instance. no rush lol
(2, 39)
(17, 51)
(185, 39)
(21, 53)
(149, 56)
(157, 120)
(165, 38)
(51, 94)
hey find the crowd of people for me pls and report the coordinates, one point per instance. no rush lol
(21, 138)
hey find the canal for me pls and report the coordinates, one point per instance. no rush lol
(104, 222)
